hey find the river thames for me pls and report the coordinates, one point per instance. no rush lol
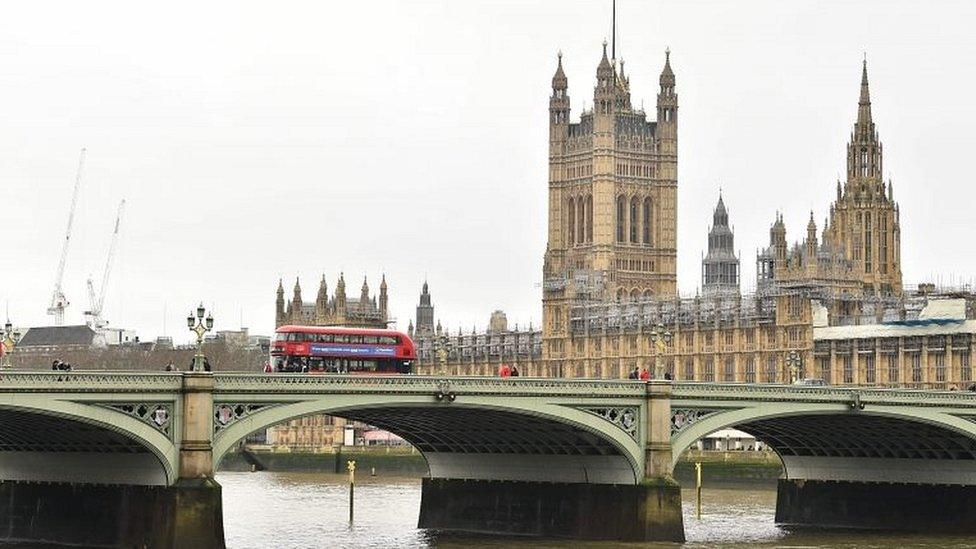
(301, 510)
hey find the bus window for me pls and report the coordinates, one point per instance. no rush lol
(316, 364)
(355, 338)
(341, 338)
(281, 336)
(387, 340)
(326, 338)
(369, 340)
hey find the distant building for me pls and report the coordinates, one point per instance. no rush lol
(720, 268)
(364, 312)
(425, 315)
(498, 323)
(45, 339)
(859, 252)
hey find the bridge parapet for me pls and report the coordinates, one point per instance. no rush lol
(425, 385)
(731, 392)
(90, 382)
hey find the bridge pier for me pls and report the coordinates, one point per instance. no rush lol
(185, 515)
(620, 512)
(874, 505)
(605, 509)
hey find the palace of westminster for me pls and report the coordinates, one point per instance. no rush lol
(831, 307)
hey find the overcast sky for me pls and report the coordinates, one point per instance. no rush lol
(254, 141)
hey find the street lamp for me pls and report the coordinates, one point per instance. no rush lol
(661, 338)
(8, 339)
(199, 326)
(793, 362)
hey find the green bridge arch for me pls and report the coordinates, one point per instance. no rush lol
(475, 436)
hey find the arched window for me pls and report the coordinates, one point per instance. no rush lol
(589, 218)
(571, 210)
(621, 214)
(647, 221)
(581, 220)
(634, 220)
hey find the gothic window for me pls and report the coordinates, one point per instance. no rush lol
(634, 219)
(571, 210)
(647, 221)
(581, 220)
(867, 242)
(621, 213)
(589, 218)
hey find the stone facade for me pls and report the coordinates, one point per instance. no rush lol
(823, 308)
(612, 197)
(859, 253)
(338, 310)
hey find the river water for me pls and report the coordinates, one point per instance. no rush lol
(302, 510)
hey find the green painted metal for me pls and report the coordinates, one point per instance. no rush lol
(613, 410)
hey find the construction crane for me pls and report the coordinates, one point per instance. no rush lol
(94, 313)
(58, 300)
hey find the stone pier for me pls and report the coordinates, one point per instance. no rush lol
(873, 505)
(646, 511)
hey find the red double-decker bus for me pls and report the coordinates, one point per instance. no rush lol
(334, 350)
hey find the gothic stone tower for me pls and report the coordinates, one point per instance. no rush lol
(864, 219)
(612, 196)
(720, 268)
(425, 313)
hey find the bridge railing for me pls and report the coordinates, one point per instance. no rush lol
(81, 382)
(407, 384)
(830, 393)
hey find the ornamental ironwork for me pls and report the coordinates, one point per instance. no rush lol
(683, 418)
(626, 418)
(225, 415)
(157, 415)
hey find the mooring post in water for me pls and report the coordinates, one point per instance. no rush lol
(697, 488)
(351, 466)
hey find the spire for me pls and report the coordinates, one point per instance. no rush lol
(383, 283)
(667, 75)
(864, 102)
(604, 68)
(559, 80)
(281, 289)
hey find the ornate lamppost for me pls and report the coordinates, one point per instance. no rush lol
(661, 338)
(793, 362)
(199, 326)
(441, 349)
(8, 339)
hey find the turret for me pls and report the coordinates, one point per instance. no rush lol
(811, 243)
(606, 85)
(364, 294)
(667, 99)
(322, 301)
(340, 297)
(280, 305)
(384, 299)
(296, 300)
(777, 237)
(559, 100)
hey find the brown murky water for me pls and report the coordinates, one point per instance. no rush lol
(292, 510)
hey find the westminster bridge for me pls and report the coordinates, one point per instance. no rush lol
(128, 458)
